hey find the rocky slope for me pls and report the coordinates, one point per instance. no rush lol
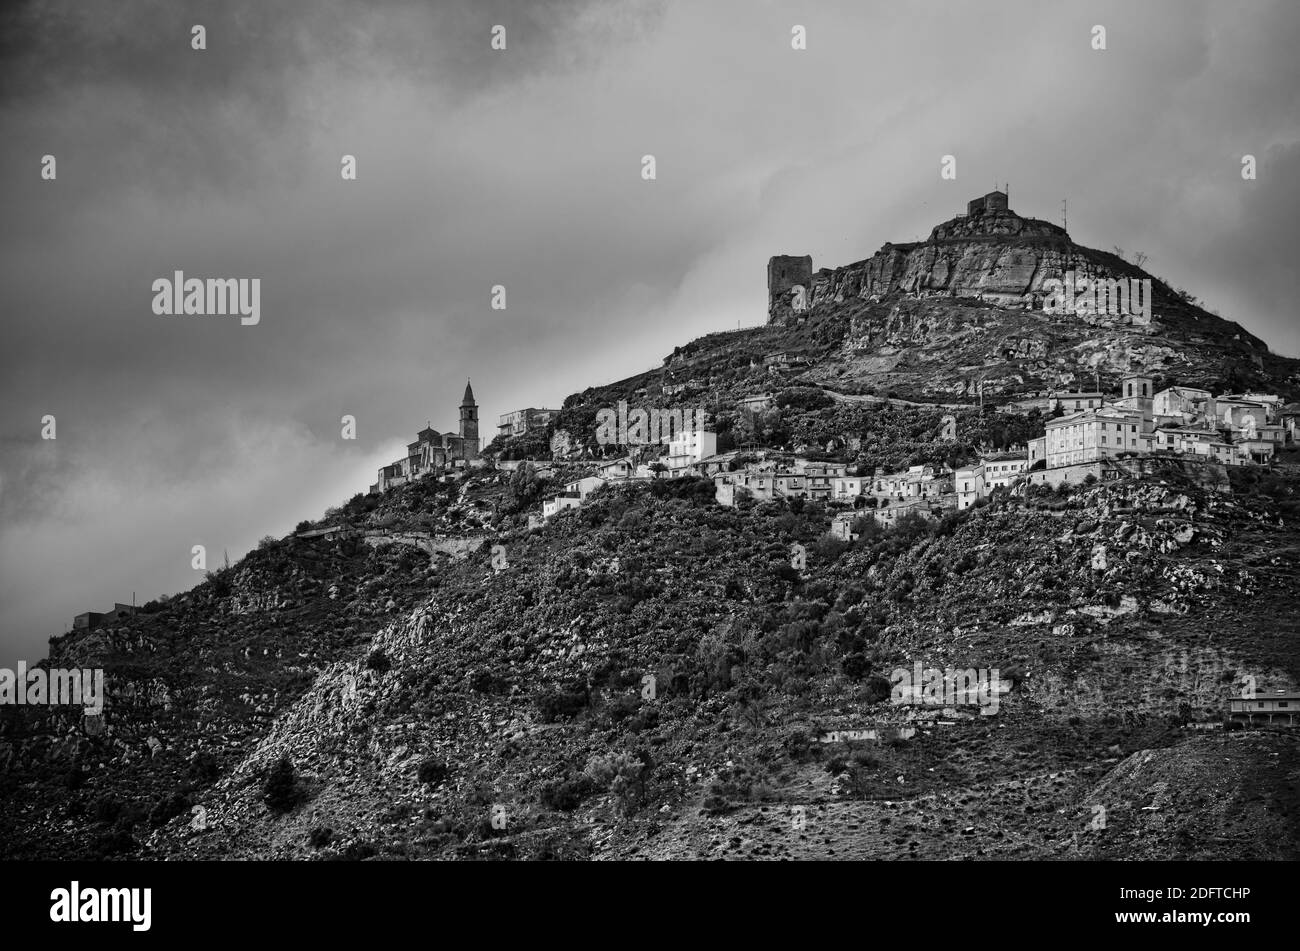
(416, 704)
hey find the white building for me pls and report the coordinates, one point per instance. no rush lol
(847, 488)
(1002, 471)
(574, 494)
(1075, 402)
(918, 482)
(689, 447)
(969, 482)
(616, 469)
(1037, 451)
(1094, 434)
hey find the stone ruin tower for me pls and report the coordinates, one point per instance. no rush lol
(785, 272)
(994, 201)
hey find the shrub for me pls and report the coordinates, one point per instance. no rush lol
(878, 689)
(105, 809)
(432, 771)
(567, 794)
(167, 809)
(320, 837)
(554, 705)
(113, 843)
(378, 661)
(623, 774)
(623, 707)
(855, 666)
(280, 790)
(219, 583)
(204, 768)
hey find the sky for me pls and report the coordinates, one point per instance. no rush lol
(522, 168)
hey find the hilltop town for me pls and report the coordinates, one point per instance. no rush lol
(1089, 436)
(1081, 435)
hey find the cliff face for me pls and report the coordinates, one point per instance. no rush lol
(995, 256)
(967, 309)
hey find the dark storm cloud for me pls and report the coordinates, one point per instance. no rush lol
(50, 46)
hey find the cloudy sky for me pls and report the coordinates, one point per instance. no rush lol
(522, 168)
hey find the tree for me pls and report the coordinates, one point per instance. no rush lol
(524, 489)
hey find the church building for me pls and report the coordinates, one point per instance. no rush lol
(433, 453)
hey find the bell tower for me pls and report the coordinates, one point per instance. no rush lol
(469, 419)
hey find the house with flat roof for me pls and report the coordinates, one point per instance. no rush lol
(525, 420)
(1269, 709)
(89, 620)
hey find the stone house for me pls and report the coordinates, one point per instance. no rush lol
(89, 620)
(842, 526)
(522, 421)
(1075, 402)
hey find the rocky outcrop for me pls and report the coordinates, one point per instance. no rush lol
(1000, 257)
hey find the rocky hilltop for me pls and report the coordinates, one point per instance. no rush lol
(963, 312)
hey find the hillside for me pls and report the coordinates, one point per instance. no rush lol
(420, 674)
(411, 700)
